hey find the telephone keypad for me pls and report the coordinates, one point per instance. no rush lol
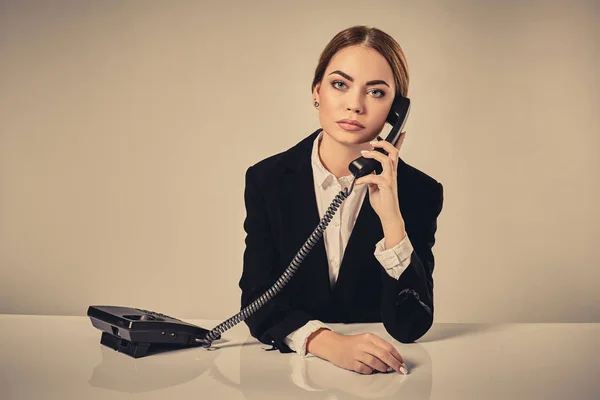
(156, 314)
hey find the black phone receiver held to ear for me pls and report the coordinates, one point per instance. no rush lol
(397, 118)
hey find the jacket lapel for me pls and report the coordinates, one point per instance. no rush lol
(299, 217)
(359, 250)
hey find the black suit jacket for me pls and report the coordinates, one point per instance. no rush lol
(281, 213)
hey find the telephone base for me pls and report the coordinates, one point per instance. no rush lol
(135, 350)
(138, 350)
(139, 333)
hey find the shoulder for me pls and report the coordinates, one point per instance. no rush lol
(410, 175)
(266, 170)
(269, 171)
(419, 188)
(269, 165)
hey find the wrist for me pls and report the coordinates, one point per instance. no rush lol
(394, 232)
(393, 223)
(319, 342)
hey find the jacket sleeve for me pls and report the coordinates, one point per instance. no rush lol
(407, 303)
(275, 319)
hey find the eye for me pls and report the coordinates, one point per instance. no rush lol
(337, 87)
(382, 93)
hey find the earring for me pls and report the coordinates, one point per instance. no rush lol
(316, 104)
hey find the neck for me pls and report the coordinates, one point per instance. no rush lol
(336, 156)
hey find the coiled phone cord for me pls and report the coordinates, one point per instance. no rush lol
(285, 276)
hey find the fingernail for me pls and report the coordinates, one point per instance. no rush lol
(373, 142)
(403, 369)
(364, 151)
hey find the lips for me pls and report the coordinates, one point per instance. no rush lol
(350, 125)
(351, 122)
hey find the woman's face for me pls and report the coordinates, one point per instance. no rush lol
(358, 84)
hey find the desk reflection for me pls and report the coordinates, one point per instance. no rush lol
(290, 376)
(122, 373)
(247, 367)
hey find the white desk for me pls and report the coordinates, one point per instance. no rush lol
(45, 357)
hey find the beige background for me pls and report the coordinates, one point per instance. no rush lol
(126, 128)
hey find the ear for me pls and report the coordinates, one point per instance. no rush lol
(316, 91)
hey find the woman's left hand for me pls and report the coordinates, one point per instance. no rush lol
(383, 188)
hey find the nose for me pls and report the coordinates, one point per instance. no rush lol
(355, 109)
(354, 104)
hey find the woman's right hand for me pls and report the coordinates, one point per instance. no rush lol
(363, 353)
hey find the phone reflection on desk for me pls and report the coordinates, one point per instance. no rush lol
(162, 368)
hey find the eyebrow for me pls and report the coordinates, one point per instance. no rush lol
(345, 75)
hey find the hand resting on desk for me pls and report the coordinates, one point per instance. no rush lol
(362, 353)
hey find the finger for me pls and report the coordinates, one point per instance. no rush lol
(392, 152)
(385, 345)
(366, 357)
(387, 355)
(390, 362)
(385, 161)
(390, 351)
(362, 368)
(384, 145)
(371, 178)
(392, 149)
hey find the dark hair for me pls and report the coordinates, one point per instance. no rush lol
(374, 39)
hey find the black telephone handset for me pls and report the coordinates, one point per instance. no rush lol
(132, 330)
(397, 118)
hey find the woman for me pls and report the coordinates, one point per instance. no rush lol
(375, 261)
